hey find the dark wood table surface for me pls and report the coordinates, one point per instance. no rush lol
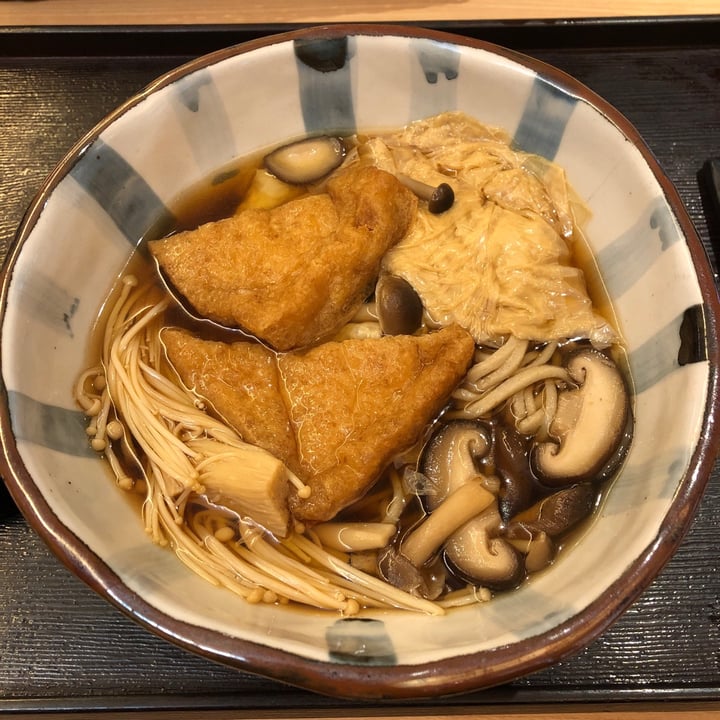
(64, 649)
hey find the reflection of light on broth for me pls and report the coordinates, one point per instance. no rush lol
(219, 196)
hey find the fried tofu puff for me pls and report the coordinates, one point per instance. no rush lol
(336, 414)
(296, 273)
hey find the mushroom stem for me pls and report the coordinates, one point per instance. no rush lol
(354, 537)
(462, 505)
(439, 199)
(538, 550)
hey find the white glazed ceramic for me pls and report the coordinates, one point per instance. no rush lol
(118, 181)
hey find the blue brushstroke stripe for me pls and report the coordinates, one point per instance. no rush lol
(325, 84)
(360, 641)
(188, 88)
(544, 119)
(434, 88)
(665, 466)
(44, 300)
(436, 59)
(635, 251)
(203, 116)
(49, 426)
(121, 191)
(658, 356)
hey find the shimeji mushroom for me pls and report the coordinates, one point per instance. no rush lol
(460, 506)
(439, 199)
(464, 519)
(589, 422)
(539, 549)
(306, 161)
(354, 536)
(398, 306)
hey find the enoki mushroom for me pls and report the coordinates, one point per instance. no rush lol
(158, 438)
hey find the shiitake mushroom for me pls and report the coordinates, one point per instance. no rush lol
(475, 549)
(559, 512)
(589, 424)
(515, 533)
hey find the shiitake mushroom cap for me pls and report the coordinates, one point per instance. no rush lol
(436, 455)
(559, 512)
(591, 423)
(480, 555)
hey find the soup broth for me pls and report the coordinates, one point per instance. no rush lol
(493, 483)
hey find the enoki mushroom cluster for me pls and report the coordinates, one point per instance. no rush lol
(160, 442)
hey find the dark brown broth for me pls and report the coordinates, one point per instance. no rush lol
(215, 197)
(218, 196)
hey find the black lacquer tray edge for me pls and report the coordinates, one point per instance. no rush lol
(175, 40)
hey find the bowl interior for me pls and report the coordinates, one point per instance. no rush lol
(119, 183)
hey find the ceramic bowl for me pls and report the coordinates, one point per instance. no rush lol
(118, 182)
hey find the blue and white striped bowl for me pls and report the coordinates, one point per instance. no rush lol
(118, 182)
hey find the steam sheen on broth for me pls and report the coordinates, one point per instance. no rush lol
(491, 451)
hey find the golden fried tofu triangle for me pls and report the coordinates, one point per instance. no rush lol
(293, 274)
(241, 382)
(357, 404)
(345, 409)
